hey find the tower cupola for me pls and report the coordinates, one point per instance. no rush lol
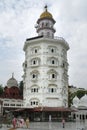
(45, 24)
(46, 14)
(12, 82)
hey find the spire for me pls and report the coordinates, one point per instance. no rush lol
(13, 75)
(45, 7)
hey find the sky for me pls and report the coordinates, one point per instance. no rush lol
(17, 23)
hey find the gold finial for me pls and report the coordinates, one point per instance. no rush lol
(45, 7)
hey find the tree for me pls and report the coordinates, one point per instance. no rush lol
(86, 92)
(70, 97)
(1, 89)
(80, 93)
(21, 88)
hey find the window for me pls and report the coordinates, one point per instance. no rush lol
(52, 50)
(34, 103)
(18, 104)
(6, 104)
(53, 76)
(53, 62)
(12, 104)
(34, 90)
(52, 89)
(33, 76)
(34, 62)
(35, 50)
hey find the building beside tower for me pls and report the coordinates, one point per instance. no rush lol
(45, 69)
(11, 98)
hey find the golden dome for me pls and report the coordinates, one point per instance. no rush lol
(46, 14)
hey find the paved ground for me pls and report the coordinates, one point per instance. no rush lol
(52, 126)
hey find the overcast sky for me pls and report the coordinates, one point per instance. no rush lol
(17, 21)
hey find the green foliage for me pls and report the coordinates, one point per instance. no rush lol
(80, 93)
(1, 89)
(86, 92)
(70, 98)
(21, 88)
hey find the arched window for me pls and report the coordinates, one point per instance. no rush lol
(52, 50)
(34, 75)
(34, 102)
(53, 62)
(34, 62)
(35, 50)
(52, 75)
(34, 90)
(52, 88)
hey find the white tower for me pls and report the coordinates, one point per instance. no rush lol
(45, 67)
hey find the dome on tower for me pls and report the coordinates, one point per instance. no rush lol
(46, 14)
(12, 82)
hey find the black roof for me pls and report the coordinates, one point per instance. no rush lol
(34, 38)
